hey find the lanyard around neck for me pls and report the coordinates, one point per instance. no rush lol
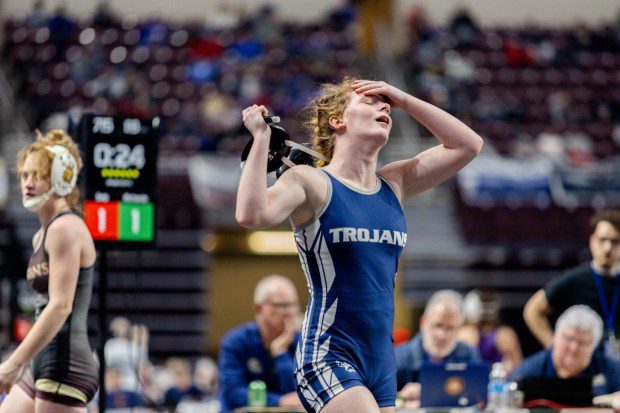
(608, 313)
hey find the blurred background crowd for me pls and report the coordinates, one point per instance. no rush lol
(544, 94)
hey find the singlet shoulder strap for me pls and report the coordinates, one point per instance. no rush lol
(54, 218)
(390, 188)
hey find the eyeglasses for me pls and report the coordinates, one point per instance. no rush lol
(579, 343)
(283, 306)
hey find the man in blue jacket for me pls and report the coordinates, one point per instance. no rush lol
(577, 333)
(263, 349)
(435, 343)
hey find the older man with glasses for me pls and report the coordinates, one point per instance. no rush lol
(263, 349)
(437, 342)
(577, 334)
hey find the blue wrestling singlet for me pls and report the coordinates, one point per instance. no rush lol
(350, 256)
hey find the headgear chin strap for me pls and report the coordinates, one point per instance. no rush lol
(63, 177)
(305, 149)
(35, 203)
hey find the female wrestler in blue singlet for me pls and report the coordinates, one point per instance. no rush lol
(63, 373)
(350, 231)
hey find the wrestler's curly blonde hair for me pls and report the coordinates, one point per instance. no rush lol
(54, 137)
(331, 100)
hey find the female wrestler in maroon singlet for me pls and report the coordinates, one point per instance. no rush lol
(63, 373)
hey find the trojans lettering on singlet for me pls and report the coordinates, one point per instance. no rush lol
(350, 234)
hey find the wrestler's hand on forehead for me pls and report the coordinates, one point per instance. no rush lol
(394, 96)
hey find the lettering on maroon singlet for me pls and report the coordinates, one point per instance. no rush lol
(38, 270)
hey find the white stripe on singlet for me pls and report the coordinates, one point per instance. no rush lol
(307, 391)
(327, 275)
(300, 238)
(316, 362)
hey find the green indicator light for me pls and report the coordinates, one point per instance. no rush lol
(136, 222)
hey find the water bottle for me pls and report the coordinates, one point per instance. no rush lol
(497, 387)
(257, 394)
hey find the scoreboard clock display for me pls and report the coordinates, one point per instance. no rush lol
(120, 163)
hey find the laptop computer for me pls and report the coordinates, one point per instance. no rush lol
(573, 392)
(453, 384)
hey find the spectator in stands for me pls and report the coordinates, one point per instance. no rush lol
(37, 17)
(263, 349)
(463, 26)
(578, 332)
(420, 28)
(127, 350)
(458, 68)
(518, 52)
(344, 14)
(116, 397)
(61, 28)
(579, 147)
(206, 376)
(436, 342)
(183, 387)
(552, 145)
(104, 16)
(482, 329)
(596, 284)
(156, 380)
(265, 23)
(558, 104)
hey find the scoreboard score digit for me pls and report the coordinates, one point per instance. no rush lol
(121, 178)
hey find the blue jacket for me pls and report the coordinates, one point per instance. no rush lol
(411, 355)
(541, 365)
(243, 358)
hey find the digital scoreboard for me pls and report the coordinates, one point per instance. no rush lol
(120, 164)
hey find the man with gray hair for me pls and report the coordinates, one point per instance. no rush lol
(436, 343)
(577, 333)
(263, 349)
